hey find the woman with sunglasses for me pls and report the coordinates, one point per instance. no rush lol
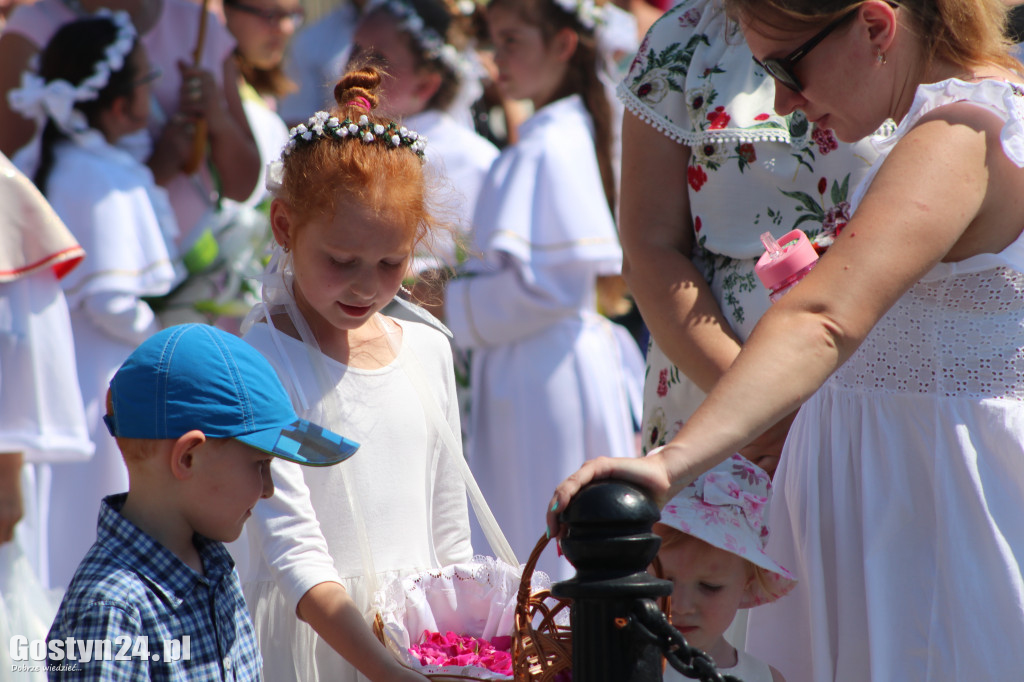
(690, 254)
(901, 486)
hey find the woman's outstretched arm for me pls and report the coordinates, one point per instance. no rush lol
(952, 166)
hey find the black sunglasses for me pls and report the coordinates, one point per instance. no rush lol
(271, 16)
(782, 69)
(148, 77)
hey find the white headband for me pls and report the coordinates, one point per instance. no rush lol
(38, 99)
(430, 41)
(586, 12)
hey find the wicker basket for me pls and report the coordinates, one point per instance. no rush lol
(483, 600)
(542, 634)
(542, 641)
(541, 647)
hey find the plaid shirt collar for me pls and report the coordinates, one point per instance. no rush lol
(165, 573)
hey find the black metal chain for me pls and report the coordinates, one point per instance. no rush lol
(649, 623)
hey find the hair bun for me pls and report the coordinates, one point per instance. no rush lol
(358, 88)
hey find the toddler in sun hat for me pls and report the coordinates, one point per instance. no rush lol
(198, 415)
(713, 538)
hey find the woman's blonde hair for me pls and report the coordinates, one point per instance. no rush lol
(965, 32)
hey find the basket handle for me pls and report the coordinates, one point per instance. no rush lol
(665, 603)
(526, 578)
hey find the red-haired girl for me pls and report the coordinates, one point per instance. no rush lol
(351, 205)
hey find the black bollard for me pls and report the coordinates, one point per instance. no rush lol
(609, 542)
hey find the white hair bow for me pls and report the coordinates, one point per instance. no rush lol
(37, 99)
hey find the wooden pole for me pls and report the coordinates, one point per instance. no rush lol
(199, 140)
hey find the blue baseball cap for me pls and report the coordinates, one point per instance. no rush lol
(194, 376)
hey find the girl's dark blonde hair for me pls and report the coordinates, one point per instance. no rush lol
(455, 28)
(387, 180)
(671, 537)
(965, 32)
(272, 82)
(72, 55)
(581, 78)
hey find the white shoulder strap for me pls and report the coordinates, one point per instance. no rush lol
(499, 544)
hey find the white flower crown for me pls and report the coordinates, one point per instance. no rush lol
(322, 124)
(38, 99)
(586, 12)
(430, 41)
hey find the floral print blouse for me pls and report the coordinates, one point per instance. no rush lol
(751, 170)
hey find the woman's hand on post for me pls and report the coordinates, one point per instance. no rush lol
(649, 472)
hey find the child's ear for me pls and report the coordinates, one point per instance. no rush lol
(281, 223)
(427, 85)
(183, 454)
(565, 43)
(749, 590)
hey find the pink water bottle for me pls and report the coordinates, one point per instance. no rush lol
(784, 262)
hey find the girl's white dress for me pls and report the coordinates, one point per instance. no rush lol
(271, 135)
(410, 495)
(548, 379)
(118, 214)
(41, 413)
(747, 669)
(900, 497)
(461, 158)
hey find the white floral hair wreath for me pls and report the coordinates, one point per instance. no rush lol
(430, 41)
(322, 124)
(586, 12)
(56, 99)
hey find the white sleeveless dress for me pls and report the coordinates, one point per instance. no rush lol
(899, 502)
(747, 669)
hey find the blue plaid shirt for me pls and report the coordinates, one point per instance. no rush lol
(135, 593)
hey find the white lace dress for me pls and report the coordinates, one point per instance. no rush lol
(899, 502)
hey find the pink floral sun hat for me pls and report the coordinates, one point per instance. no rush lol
(725, 508)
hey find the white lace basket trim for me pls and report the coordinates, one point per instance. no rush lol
(477, 599)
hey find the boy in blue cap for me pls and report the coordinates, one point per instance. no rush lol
(198, 415)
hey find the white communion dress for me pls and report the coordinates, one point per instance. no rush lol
(549, 382)
(900, 497)
(119, 215)
(411, 497)
(41, 412)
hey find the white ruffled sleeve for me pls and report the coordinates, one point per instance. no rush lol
(543, 230)
(510, 303)
(121, 316)
(286, 534)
